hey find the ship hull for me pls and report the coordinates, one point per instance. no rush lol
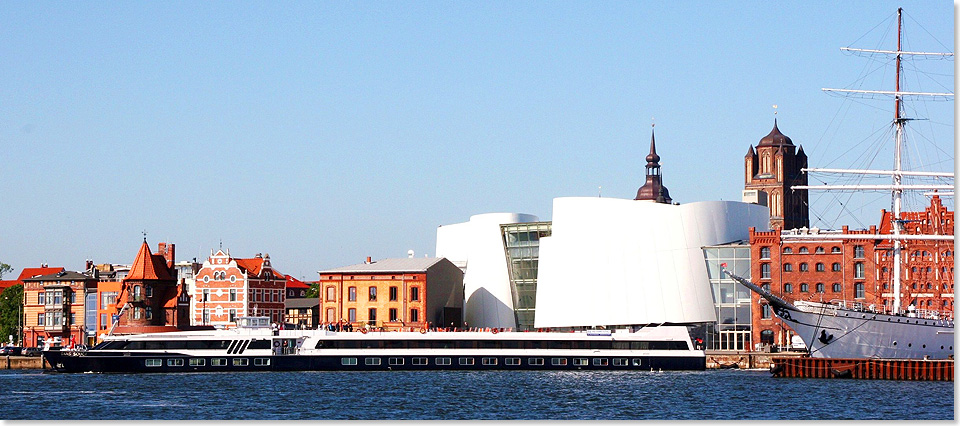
(831, 332)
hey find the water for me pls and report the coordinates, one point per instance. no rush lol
(712, 395)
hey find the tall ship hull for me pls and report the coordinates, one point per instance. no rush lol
(649, 348)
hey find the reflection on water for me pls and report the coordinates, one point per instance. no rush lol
(725, 394)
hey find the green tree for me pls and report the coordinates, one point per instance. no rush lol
(11, 307)
(4, 268)
(314, 290)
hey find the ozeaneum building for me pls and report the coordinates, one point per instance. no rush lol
(600, 262)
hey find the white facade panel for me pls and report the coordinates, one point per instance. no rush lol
(477, 248)
(618, 262)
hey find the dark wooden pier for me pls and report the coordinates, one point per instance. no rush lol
(852, 368)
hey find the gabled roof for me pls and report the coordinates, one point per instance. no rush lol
(420, 264)
(36, 272)
(253, 266)
(295, 283)
(148, 266)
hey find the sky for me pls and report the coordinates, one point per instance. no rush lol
(321, 133)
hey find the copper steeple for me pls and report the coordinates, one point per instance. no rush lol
(653, 188)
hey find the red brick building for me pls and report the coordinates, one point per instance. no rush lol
(150, 293)
(858, 271)
(771, 171)
(228, 288)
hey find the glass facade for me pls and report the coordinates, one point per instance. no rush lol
(521, 242)
(732, 300)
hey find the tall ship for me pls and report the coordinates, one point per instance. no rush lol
(845, 329)
(254, 345)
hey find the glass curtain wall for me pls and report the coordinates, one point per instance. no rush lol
(521, 242)
(731, 300)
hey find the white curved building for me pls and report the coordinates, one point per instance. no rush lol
(624, 262)
(477, 248)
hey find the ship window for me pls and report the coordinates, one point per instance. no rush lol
(241, 362)
(558, 361)
(443, 361)
(175, 362)
(636, 362)
(620, 362)
(216, 362)
(466, 360)
(601, 362)
(488, 360)
(535, 361)
(348, 361)
(512, 361)
(395, 361)
(154, 362)
(419, 360)
(261, 361)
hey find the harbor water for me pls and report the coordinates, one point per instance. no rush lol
(453, 395)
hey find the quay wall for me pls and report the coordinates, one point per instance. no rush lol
(23, 363)
(743, 359)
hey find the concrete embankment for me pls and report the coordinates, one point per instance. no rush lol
(23, 363)
(742, 359)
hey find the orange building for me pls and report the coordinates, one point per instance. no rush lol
(54, 308)
(148, 298)
(393, 294)
(228, 288)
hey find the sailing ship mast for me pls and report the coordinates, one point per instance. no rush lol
(898, 173)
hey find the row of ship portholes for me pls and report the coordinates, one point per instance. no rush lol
(907, 322)
(924, 346)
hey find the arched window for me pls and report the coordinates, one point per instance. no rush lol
(820, 288)
(787, 250)
(836, 287)
(766, 337)
(787, 267)
(804, 267)
(819, 250)
(821, 267)
(764, 252)
(835, 249)
(788, 288)
(803, 250)
(835, 267)
(804, 288)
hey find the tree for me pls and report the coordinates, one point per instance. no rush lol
(11, 307)
(4, 268)
(314, 290)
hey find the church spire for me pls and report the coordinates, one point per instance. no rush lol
(653, 188)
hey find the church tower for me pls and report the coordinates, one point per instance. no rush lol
(653, 189)
(771, 171)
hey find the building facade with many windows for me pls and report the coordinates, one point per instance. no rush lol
(227, 288)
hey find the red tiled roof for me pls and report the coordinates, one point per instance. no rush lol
(148, 266)
(4, 284)
(295, 283)
(36, 272)
(252, 265)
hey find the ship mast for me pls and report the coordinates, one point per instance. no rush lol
(898, 173)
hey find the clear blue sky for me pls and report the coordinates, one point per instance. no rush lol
(325, 132)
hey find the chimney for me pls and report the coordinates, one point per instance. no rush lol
(369, 261)
(168, 252)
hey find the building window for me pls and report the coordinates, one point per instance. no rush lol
(821, 267)
(206, 295)
(764, 252)
(764, 270)
(136, 313)
(835, 249)
(42, 299)
(858, 290)
(804, 267)
(331, 293)
(858, 252)
(787, 267)
(835, 267)
(393, 294)
(206, 316)
(40, 319)
(136, 292)
(372, 314)
(352, 294)
(149, 312)
(858, 270)
(414, 315)
(352, 314)
(149, 292)
(820, 288)
(233, 315)
(393, 314)
(414, 294)
(788, 288)
(837, 288)
(765, 311)
(804, 288)
(819, 250)
(787, 250)
(233, 295)
(373, 294)
(331, 315)
(803, 250)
